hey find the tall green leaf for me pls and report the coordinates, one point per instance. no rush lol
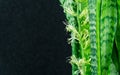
(98, 11)
(93, 44)
(107, 33)
(117, 37)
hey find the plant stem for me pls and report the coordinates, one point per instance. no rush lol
(74, 52)
(98, 35)
(79, 29)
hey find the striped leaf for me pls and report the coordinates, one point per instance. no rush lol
(92, 21)
(107, 33)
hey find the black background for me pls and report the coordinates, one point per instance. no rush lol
(33, 38)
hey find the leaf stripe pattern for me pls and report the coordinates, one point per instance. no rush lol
(92, 21)
(107, 33)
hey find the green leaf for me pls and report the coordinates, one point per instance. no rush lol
(108, 27)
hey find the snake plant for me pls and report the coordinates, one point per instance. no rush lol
(95, 31)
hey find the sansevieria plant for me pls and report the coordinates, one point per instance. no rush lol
(95, 36)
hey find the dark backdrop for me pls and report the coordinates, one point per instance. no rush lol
(33, 38)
